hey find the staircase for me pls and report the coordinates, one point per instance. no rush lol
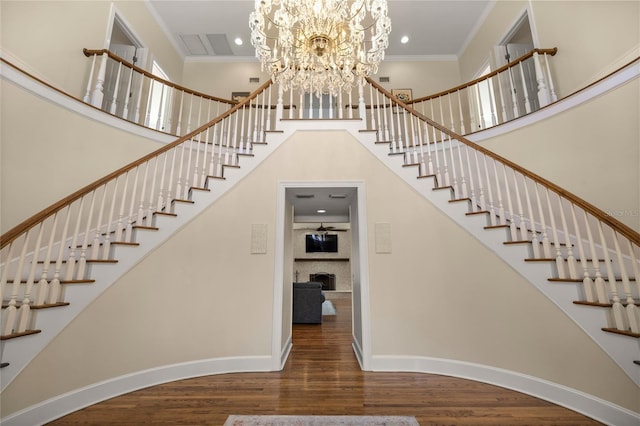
(57, 262)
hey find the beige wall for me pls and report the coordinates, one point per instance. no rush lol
(592, 151)
(62, 152)
(203, 295)
(593, 37)
(47, 37)
(222, 78)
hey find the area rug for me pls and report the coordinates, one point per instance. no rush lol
(328, 308)
(321, 421)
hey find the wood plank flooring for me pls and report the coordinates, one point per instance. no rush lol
(322, 377)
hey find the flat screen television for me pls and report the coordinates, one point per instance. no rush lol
(323, 243)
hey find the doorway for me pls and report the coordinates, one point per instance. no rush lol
(296, 200)
(121, 86)
(521, 79)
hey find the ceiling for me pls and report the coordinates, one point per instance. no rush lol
(207, 29)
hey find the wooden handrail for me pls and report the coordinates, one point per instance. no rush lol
(19, 229)
(618, 226)
(495, 72)
(117, 58)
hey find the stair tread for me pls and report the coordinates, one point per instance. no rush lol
(88, 281)
(43, 306)
(623, 332)
(20, 334)
(603, 305)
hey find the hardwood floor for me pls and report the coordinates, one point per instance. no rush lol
(322, 377)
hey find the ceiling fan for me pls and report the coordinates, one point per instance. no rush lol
(325, 229)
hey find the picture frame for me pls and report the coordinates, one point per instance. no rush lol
(239, 96)
(403, 95)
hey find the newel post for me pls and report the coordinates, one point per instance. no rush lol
(98, 94)
(543, 90)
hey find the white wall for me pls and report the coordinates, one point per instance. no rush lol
(202, 295)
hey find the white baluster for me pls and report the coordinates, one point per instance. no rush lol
(280, 103)
(500, 213)
(599, 284)
(128, 232)
(116, 87)
(535, 243)
(125, 109)
(80, 274)
(98, 95)
(552, 93)
(631, 310)
(587, 282)
(527, 101)
(503, 105)
(55, 287)
(11, 312)
(24, 312)
(636, 274)
(106, 247)
(4, 278)
(571, 260)
(179, 126)
(512, 223)
(619, 315)
(491, 209)
(87, 95)
(71, 260)
(95, 246)
(120, 226)
(546, 245)
(136, 117)
(141, 216)
(543, 91)
(43, 284)
(462, 129)
(554, 229)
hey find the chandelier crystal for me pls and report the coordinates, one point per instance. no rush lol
(319, 45)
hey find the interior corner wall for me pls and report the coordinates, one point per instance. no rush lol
(593, 37)
(46, 38)
(202, 295)
(43, 163)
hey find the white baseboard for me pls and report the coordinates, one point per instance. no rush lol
(80, 398)
(589, 405)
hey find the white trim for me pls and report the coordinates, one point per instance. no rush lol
(573, 399)
(361, 349)
(77, 399)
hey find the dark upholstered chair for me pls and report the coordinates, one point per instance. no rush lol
(307, 303)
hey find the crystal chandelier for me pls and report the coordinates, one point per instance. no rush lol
(319, 45)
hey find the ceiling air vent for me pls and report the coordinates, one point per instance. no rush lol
(220, 44)
(254, 79)
(194, 44)
(384, 79)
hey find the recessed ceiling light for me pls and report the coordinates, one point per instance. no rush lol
(238, 41)
(404, 39)
(321, 211)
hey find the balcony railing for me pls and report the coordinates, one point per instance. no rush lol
(129, 92)
(509, 92)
